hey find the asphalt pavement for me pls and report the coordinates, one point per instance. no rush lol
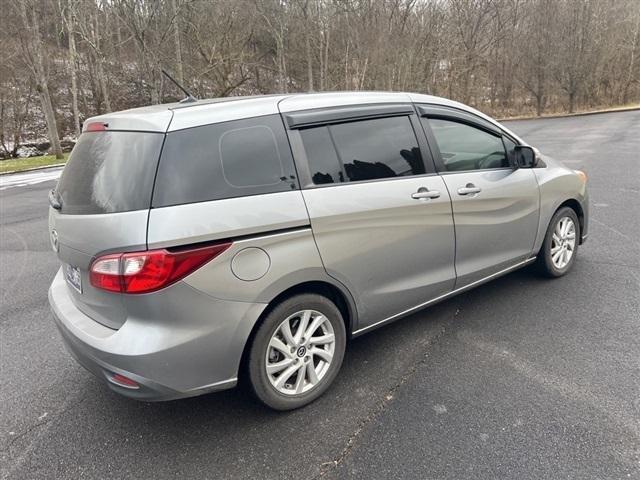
(521, 378)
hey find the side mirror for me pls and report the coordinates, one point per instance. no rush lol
(526, 157)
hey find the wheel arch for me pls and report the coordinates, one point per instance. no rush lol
(576, 206)
(339, 296)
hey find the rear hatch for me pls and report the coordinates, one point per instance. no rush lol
(102, 205)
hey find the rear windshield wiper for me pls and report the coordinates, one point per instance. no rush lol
(54, 199)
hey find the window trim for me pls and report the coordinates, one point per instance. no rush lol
(444, 113)
(347, 113)
(512, 163)
(447, 113)
(302, 162)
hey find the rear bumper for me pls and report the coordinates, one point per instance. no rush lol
(171, 357)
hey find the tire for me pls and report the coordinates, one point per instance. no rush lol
(273, 389)
(547, 263)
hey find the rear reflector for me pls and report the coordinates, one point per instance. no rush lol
(151, 270)
(123, 381)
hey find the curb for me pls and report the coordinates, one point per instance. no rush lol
(44, 167)
(576, 114)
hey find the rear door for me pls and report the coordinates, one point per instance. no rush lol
(380, 216)
(104, 195)
(495, 205)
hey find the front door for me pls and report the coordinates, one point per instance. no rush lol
(495, 206)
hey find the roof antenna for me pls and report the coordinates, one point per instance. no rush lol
(190, 98)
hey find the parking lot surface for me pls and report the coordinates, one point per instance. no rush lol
(521, 378)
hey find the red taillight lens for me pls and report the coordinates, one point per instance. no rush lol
(124, 381)
(96, 127)
(143, 272)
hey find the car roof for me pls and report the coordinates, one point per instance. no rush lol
(178, 116)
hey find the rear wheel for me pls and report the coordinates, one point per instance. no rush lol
(560, 246)
(297, 351)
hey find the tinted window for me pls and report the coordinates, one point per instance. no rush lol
(364, 150)
(323, 159)
(225, 160)
(463, 147)
(110, 172)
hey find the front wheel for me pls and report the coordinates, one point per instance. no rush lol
(560, 247)
(297, 351)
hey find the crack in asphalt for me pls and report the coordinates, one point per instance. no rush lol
(633, 241)
(612, 264)
(384, 402)
(48, 419)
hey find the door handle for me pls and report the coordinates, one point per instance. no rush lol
(425, 193)
(469, 189)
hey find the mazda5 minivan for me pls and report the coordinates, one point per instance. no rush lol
(251, 237)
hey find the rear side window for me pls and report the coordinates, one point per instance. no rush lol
(110, 172)
(362, 150)
(224, 160)
(463, 147)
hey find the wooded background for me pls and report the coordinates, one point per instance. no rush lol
(62, 61)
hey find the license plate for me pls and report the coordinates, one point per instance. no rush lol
(74, 278)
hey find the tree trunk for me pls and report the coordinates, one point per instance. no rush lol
(309, 61)
(327, 41)
(282, 65)
(156, 82)
(627, 84)
(37, 67)
(100, 59)
(102, 80)
(73, 68)
(177, 45)
(540, 90)
(539, 105)
(572, 100)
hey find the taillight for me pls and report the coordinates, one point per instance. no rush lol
(143, 272)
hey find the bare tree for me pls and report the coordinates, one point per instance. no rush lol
(33, 50)
(502, 56)
(91, 31)
(15, 105)
(571, 66)
(69, 12)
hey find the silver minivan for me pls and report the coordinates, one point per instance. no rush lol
(251, 237)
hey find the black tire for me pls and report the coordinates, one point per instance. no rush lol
(257, 359)
(544, 262)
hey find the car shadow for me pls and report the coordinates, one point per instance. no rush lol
(230, 426)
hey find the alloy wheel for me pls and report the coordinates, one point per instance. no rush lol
(300, 352)
(563, 242)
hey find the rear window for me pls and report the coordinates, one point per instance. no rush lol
(225, 160)
(110, 172)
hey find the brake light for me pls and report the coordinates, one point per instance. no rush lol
(151, 270)
(96, 127)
